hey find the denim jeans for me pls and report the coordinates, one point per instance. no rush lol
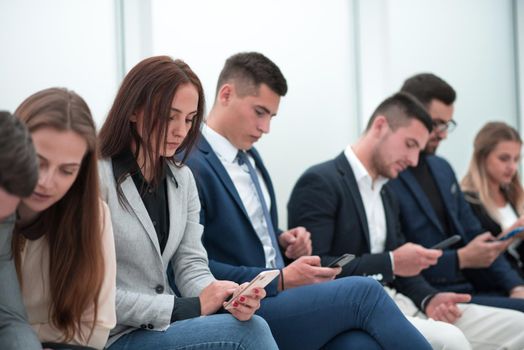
(208, 332)
(347, 313)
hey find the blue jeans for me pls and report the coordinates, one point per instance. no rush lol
(209, 332)
(351, 312)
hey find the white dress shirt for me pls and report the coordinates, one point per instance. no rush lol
(507, 218)
(239, 174)
(372, 200)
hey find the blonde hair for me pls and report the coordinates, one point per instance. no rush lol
(476, 179)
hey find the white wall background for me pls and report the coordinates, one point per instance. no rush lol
(341, 58)
(64, 43)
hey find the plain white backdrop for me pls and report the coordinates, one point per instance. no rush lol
(340, 57)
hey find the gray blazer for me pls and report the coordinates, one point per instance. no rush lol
(144, 298)
(15, 331)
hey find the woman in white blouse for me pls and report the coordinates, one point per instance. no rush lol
(493, 187)
(63, 244)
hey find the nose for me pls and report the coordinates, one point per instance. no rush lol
(443, 134)
(45, 177)
(264, 124)
(178, 128)
(413, 157)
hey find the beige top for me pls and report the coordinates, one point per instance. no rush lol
(36, 296)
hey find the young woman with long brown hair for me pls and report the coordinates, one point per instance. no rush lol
(63, 244)
(155, 209)
(493, 187)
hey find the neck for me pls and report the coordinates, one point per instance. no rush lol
(146, 170)
(213, 121)
(26, 215)
(496, 193)
(364, 152)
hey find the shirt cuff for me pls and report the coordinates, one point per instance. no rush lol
(392, 264)
(426, 301)
(185, 308)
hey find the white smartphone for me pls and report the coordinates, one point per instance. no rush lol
(260, 281)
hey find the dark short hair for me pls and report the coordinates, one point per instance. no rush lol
(399, 110)
(18, 162)
(248, 70)
(427, 86)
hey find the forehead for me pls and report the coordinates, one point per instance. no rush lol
(264, 97)
(59, 146)
(414, 130)
(439, 111)
(508, 147)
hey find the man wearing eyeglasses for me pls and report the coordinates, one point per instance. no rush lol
(433, 208)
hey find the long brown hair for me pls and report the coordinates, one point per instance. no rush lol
(476, 179)
(149, 87)
(73, 225)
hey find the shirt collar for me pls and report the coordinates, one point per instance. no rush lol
(125, 163)
(222, 147)
(360, 171)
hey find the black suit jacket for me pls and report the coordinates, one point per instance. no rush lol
(326, 200)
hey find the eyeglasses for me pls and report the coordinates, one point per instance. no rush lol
(441, 126)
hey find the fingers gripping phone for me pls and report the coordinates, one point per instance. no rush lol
(260, 281)
(341, 261)
(448, 242)
(512, 233)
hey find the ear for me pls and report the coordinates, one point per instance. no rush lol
(134, 117)
(380, 125)
(225, 93)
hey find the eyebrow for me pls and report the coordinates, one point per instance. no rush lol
(179, 111)
(66, 164)
(414, 140)
(265, 110)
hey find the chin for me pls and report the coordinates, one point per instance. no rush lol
(38, 207)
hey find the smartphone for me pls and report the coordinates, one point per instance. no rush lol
(512, 233)
(448, 242)
(341, 261)
(260, 281)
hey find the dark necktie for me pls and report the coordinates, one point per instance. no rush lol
(243, 159)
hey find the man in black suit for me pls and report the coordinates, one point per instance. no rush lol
(344, 205)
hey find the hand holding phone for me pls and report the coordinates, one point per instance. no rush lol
(448, 242)
(342, 260)
(260, 281)
(512, 233)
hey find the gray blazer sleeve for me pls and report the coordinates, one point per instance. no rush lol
(15, 331)
(190, 263)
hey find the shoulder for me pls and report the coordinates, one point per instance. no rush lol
(438, 161)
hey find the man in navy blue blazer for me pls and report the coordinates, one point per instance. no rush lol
(305, 307)
(348, 209)
(433, 208)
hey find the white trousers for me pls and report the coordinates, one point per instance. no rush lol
(479, 328)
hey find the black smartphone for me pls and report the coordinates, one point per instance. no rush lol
(448, 242)
(341, 261)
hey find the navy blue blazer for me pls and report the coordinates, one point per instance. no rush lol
(234, 249)
(421, 225)
(326, 200)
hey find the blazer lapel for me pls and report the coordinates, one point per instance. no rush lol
(221, 172)
(135, 202)
(447, 192)
(391, 220)
(348, 177)
(412, 184)
(176, 219)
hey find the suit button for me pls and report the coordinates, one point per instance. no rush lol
(143, 326)
(150, 326)
(159, 289)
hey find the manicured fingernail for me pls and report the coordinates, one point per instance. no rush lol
(242, 299)
(235, 304)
